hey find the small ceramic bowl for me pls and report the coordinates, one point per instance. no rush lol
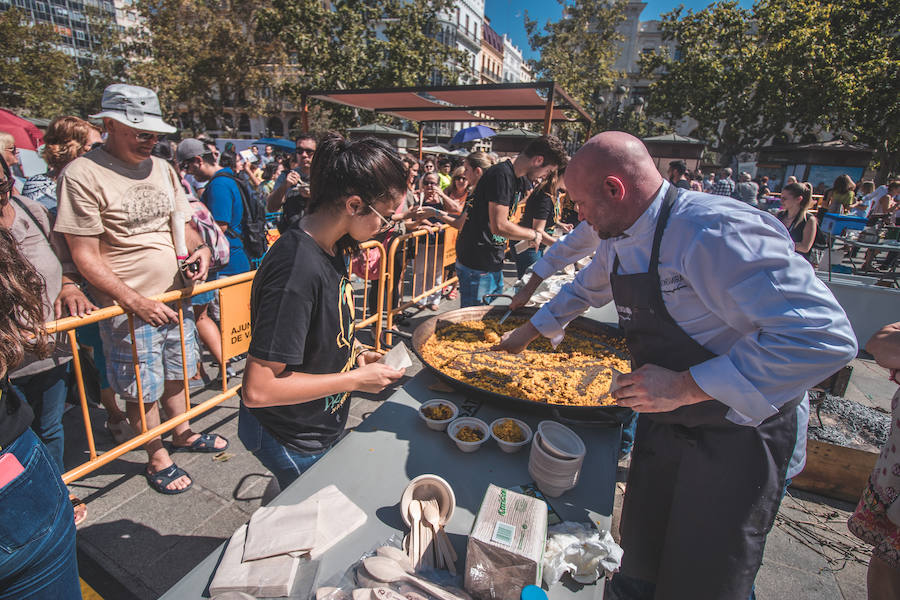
(472, 422)
(428, 487)
(511, 446)
(435, 424)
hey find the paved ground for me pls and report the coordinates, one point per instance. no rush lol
(136, 543)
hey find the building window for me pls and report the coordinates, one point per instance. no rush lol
(467, 23)
(79, 35)
(457, 16)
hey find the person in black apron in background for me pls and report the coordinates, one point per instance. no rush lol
(706, 479)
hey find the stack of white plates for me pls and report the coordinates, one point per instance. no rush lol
(557, 454)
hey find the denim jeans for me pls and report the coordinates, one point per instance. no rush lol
(37, 530)
(285, 464)
(45, 392)
(628, 429)
(473, 285)
(526, 259)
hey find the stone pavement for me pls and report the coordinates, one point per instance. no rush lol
(137, 543)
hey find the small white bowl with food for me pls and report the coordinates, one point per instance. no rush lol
(510, 434)
(438, 413)
(469, 433)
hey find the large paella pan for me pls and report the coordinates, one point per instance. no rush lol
(455, 346)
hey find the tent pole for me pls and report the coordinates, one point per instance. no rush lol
(304, 114)
(548, 115)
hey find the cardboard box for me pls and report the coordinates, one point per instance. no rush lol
(506, 545)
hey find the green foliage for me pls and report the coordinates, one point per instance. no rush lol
(357, 44)
(579, 50)
(803, 66)
(109, 65)
(34, 74)
(201, 56)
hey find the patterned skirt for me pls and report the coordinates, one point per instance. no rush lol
(870, 523)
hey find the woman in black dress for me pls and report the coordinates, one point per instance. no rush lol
(800, 223)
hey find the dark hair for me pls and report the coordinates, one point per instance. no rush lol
(843, 184)
(550, 148)
(368, 168)
(802, 191)
(445, 161)
(679, 166)
(21, 302)
(305, 136)
(228, 159)
(269, 171)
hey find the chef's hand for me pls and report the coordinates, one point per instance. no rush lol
(652, 388)
(518, 339)
(524, 295)
(374, 377)
(367, 357)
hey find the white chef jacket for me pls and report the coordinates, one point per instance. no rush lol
(570, 248)
(732, 281)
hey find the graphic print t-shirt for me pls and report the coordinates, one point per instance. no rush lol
(476, 247)
(301, 310)
(129, 208)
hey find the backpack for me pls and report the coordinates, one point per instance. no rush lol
(253, 221)
(211, 235)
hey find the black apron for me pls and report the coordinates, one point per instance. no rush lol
(702, 491)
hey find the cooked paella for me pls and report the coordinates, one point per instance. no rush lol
(541, 373)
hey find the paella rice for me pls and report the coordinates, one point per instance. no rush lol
(469, 434)
(438, 412)
(540, 373)
(509, 431)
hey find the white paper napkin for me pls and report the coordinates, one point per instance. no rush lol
(275, 530)
(397, 358)
(269, 577)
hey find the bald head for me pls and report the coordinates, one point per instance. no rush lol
(613, 180)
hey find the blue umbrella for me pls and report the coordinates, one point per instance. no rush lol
(470, 134)
(279, 143)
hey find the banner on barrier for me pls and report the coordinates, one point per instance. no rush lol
(450, 246)
(234, 315)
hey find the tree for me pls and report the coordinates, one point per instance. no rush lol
(202, 56)
(357, 44)
(34, 74)
(108, 64)
(784, 68)
(579, 50)
(716, 77)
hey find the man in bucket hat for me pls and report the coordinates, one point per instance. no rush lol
(115, 208)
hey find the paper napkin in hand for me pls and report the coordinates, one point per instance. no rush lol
(397, 358)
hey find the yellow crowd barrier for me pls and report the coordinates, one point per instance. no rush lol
(432, 250)
(235, 327)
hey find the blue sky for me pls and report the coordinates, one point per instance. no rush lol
(507, 16)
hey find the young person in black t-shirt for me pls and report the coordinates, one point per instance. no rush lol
(542, 213)
(481, 244)
(300, 370)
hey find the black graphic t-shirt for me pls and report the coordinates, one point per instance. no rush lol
(476, 247)
(301, 310)
(540, 206)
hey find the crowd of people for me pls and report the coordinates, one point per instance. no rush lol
(124, 214)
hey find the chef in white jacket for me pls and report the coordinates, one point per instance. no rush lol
(727, 328)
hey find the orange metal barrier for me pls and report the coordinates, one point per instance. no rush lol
(430, 258)
(235, 327)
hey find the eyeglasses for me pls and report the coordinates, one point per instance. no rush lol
(430, 183)
(94, 145)
(309, 151)
(459, 178)
(385, 222)
(146, 136)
